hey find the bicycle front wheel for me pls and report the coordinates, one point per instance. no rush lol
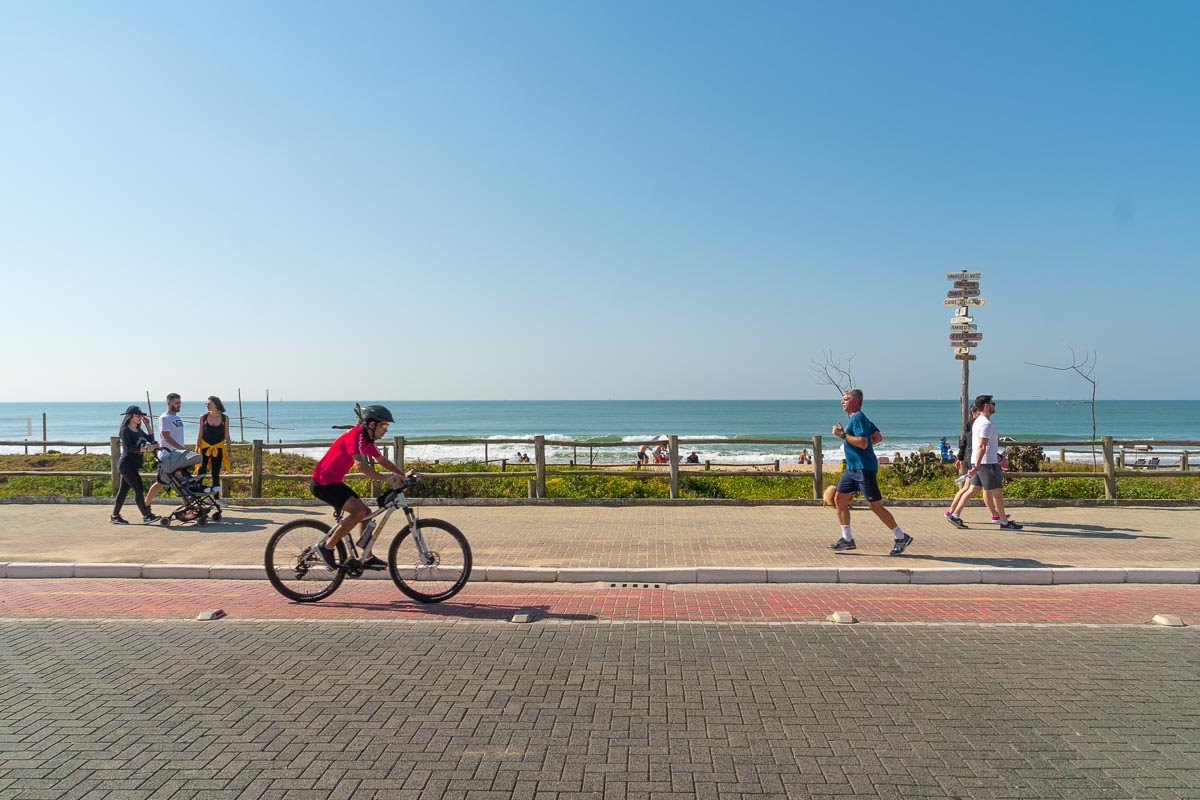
(438, 573)
(294, 568)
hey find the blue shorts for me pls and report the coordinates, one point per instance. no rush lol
(860, 480)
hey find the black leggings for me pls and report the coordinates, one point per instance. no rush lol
(215, 461)
(130, 479)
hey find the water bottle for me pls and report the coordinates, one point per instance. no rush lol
(366, 534)
(959, 480)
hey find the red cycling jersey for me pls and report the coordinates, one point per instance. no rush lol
(334, 465)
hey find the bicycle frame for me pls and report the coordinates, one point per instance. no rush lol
(397, 501)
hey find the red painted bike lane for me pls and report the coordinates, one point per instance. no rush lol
(380, 600)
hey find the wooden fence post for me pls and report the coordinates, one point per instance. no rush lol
(114, 449)
(1110, 477)
(1183, 460)
(818, 465)
(226, 487)
(256, 469)
(673, 452)
(85, 487)
(398, 447)
(539, 454)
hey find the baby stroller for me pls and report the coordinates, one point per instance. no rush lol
(198, 503)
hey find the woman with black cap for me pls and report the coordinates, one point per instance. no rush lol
(134, 442)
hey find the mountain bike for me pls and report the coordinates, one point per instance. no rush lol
(429, 560)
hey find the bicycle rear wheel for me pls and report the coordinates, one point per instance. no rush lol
(293, 566)
(442, 573)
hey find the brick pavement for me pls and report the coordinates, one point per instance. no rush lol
(650, 536)
(378, 600)
(306, 709)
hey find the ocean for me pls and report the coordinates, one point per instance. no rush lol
(907, 425)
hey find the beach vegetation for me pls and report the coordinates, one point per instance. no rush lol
(925, 478)
(921, 466)
(1025, 458)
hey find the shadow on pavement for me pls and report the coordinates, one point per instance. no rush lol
(1090, 531)
(1026, 563)
(227, 525)
(452, 610)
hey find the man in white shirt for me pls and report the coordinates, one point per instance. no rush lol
(985, 473)
(170, 436)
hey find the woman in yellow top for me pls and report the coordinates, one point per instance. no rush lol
(212, 440)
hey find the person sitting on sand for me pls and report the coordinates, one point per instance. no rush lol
(692, 458)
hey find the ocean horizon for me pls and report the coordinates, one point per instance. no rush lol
(908, 425)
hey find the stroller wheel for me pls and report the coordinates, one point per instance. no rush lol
(165, 521)
(216, 517)
(201, 520)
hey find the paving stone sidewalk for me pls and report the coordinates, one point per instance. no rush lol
(644, 536)
(379, 711)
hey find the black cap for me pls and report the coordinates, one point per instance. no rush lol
(134, 410)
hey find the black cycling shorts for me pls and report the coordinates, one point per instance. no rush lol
(336, 494)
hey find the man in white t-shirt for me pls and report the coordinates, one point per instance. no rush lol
(985, 473)
(170, 436)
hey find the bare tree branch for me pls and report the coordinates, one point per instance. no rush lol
(1085, 369)
(831, 372)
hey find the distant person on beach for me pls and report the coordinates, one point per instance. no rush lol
(945, 447)
(170, 436)
(804, 457)
(985, 471)
(692, 458)
(643, 454)
(660, 454)
(135, 440)
(328, 484)
(525, 458)
(861, 469)
(213, 442)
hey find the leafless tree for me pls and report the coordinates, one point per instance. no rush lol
(1085, 368)
(833, 372)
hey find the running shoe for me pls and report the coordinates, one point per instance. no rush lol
(375, 563)
(1010, 526)
(117, 519)
(842, 545)
(956, 521)
(150, 519)
(325, 554)
(901, 545)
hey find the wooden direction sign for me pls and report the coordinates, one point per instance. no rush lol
(961, 319)
(964, 356)
(963, 293)
(964, 301)
(964, 343)
(963, 275)
(961, 312)
(956, 325)
(966, 284)
(966, 336)
(962, 351)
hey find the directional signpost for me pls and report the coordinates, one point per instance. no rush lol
(963, 333)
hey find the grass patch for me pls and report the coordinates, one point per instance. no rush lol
(938, 484)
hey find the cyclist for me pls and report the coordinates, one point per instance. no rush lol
(328, 477)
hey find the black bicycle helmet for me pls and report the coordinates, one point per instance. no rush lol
(373, 414)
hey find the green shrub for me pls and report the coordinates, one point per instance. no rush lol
(917, 467)
(1025, 457)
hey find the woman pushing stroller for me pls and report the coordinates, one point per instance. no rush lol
(136, 439)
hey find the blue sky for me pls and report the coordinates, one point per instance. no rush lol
(547, 200)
